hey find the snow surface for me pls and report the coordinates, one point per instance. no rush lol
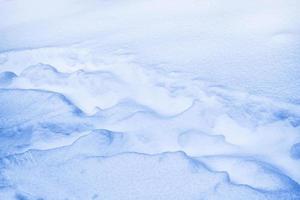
(159, 99)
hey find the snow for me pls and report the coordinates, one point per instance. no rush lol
(295, 151)
(125, 176)
(151, 99)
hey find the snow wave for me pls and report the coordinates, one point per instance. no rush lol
(54, 123)
(107, 100)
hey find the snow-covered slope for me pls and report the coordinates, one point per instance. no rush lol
(159, 99)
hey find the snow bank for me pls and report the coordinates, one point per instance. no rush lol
(126, 176)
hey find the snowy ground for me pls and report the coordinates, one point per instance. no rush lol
(149, 99)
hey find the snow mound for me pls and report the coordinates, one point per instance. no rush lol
(28, 117)
(124, 176)
(21, 106)
(250, 171)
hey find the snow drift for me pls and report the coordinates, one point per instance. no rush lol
(149, 99)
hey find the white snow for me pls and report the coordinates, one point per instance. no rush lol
(159, 99)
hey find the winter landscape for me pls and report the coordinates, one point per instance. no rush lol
(149, 100)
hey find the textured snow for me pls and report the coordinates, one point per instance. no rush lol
(149, 100)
